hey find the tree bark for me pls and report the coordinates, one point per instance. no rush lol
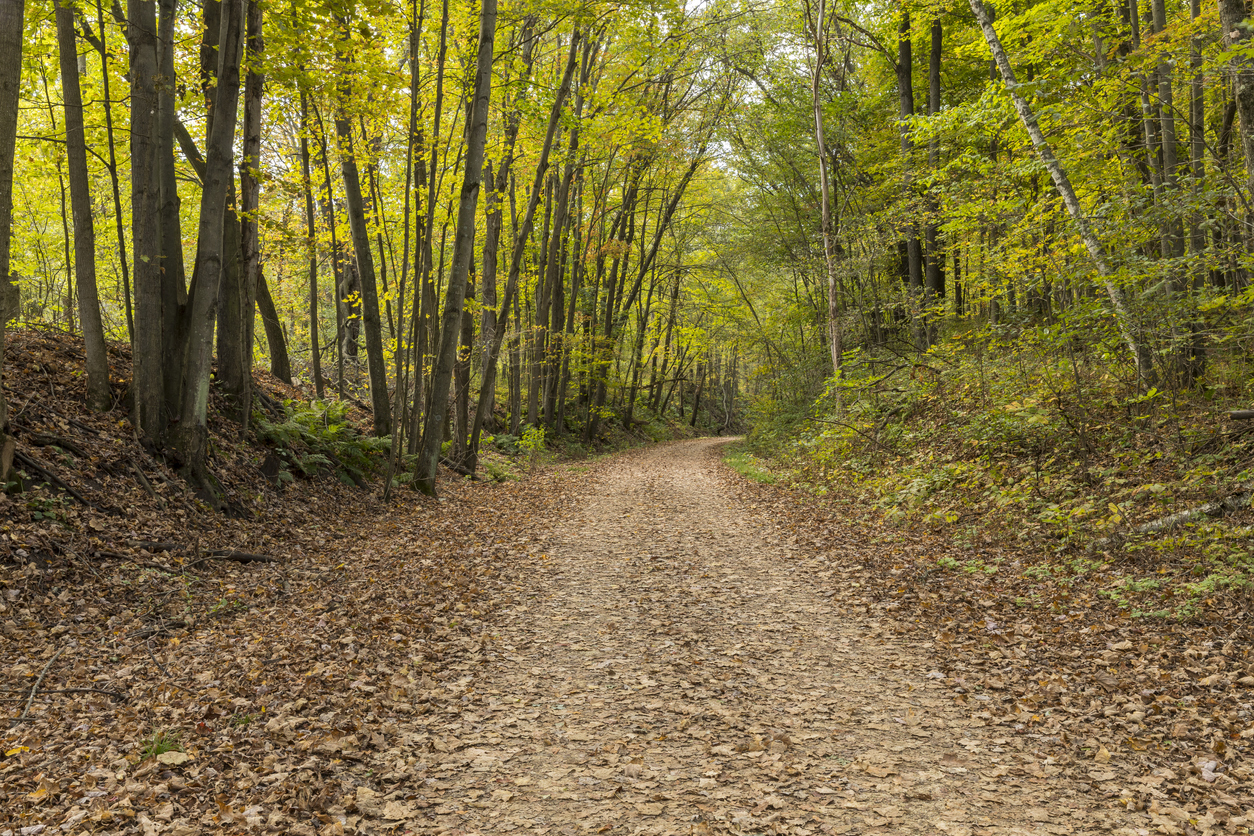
(311, 246)
(934, 281)
(190, 436)
(425, 294)
(235, 366)
(1174, 227)
(835, 331)
(1097, 251)
(119, 224)
(463, 252)
(370, 321)
(495, 183)
(12, 17)
(148, 353)
(173, 279)
(905, 88)
(99, 397)
(276, 342)
(492, 350)
(1236, 35)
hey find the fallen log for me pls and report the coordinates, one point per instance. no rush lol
(1218, 508)
(1230, 503)
(231, 554)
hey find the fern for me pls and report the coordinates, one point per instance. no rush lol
(317, 435)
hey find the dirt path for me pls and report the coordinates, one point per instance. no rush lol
(670, 669)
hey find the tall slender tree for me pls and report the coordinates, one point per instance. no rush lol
(99, 396)
(356, 208)
(12, 18)
(190, 434)
(1097, 250)
(463, 251)
(148, 352)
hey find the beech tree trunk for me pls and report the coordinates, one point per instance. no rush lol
(495, 183)
(276, 342)
(905, 89)
(235, 366)
(119, 224)
(99, 398)
(1173, 238)
(311, 247)
(1097, 251)
(934, 280)
(463, 252)
(173, 279)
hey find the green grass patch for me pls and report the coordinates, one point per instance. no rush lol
(749, 465)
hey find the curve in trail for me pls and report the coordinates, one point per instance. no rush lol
(671, 669)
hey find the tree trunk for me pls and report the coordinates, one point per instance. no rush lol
(905, 88)
(276, 342)
(556, 277)
(835, 330)
(148, 354)
(913, 248)
(337, 269)
(191, 434)
(492, 350)
(1097, 251)
(539, 325)
(463, 252)
(461, 377)
(173, 279)
(1236, 36)
(425, 298)
(119, 224)
(237, 375)
(495, 183)
(12, 18)
(934, 284)
(696, 400)
(99, 398)
(379, 400)
(1174, 228)
(311, 247)
(400, 410)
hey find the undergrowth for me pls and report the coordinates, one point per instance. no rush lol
(317, 436)
(1044, 444)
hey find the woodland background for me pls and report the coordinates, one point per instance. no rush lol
(942, 290)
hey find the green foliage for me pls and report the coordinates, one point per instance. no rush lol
(317, 437)
(46, 507)
(748, 465)
(160, 742)
(506, 443)
(531, 445)
(1029, 437)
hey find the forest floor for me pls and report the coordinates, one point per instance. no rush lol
(645, 643)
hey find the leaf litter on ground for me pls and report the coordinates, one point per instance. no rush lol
(352, 684)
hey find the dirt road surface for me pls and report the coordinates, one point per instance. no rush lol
(670, 668)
